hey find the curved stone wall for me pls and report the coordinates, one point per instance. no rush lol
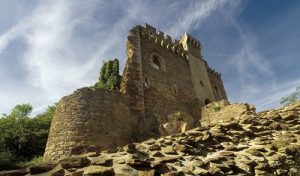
(89, 117)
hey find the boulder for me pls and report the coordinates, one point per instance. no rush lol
(75, 162)
(19, 172)
(41, 168)
(98, 171)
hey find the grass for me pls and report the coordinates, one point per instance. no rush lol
(33, 161)
(9, 165)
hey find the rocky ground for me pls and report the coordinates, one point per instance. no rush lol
(245, 143)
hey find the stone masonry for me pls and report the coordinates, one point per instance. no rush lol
(255, 144)
(165, 83)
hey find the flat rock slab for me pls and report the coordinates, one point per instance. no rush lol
(19, 172)
(75, 162)
(42, 168)
(98, 171)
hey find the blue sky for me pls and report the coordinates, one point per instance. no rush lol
(48, 49)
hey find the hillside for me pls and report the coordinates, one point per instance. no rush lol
(232, 140)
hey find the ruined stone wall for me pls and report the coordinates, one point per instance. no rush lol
(132, 83)
(89, 117)
(217, 84)
(201, 82)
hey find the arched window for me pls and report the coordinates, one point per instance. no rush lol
(157, 62)
(207, 101)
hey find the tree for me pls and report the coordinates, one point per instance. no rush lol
(15, 130)
(23, 137)
(293, 97)
(40, 130)
(109, 76)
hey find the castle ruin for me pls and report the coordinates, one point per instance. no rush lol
(162, 78)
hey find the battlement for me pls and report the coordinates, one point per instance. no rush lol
(213, 72)
(162, 40)
(191, 40)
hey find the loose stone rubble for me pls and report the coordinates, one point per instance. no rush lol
(265, 143)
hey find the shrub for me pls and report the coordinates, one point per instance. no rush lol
(109, 76)
(178, 116)
(293, 97)
(216, 108)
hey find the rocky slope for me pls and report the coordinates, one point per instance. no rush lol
(232, 140)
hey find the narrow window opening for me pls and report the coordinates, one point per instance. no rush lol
(151, 34)
(174, 89)
(146, 82)
(201, 83)
(156, 62)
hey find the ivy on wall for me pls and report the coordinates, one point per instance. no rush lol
(109, 76)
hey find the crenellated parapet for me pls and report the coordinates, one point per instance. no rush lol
(191, 45)
(213, 72)
(192, 41)
(162, 40)
(210, 71)
(216, 83)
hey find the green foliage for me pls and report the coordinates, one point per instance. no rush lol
(178, 116)
(23, 137)
(6, 158)
(291, 98)
(109, 76)
(35, 160)
(216, 108)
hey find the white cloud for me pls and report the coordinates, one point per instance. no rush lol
(13, 33)
(254, 72)
(271, 100)
(258, 83)
(58, 60)
(66, 42)
(197, 12)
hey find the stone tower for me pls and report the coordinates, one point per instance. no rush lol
(198, 67)
(162, 77)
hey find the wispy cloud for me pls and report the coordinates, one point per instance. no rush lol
(252, 67)
(258, 82)
(13, 33)
(66, 42)
(271, 98)
(197, 12)
(62, 54)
